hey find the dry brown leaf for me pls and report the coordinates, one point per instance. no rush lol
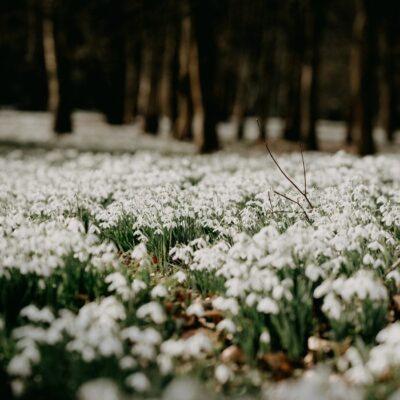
(317, 344)
(278, 363)
(212, 335)
(213, 316)
(396, 303)
(233, 354)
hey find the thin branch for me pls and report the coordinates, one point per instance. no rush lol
(287, 198)
(304, 170)
(297, 203)
(304, 194)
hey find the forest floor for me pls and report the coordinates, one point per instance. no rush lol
(91, 133)
(180, 277)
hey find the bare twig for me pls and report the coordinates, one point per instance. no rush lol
(304, 170)
(295, 202)
(303, 193)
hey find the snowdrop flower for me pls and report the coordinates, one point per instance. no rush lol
(159, 291)
(165, 363)
(117, 282)
(195, 309)
(37, 315)
(127, 362)
(226, 304)
(226, 325)
(138, 381)
(139, 252)
(153, 310)
(137, 286)
(268, 306)
(17, 387)
(223, 374)
(265, 337)
(180, 276)
(99, 389)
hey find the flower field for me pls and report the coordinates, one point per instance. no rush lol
(144, 275)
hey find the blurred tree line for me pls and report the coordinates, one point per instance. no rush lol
(195, 63)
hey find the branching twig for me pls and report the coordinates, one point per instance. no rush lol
(295, 202)
(304, 170)
(303, 193)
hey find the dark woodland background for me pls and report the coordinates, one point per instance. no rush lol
(206, 61)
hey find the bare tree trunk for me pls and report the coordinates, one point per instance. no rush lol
(239, 105)
(314, 17)
(390, 99)
(151, 121)
(50, 59)
(353, 73)
(267, 67)
(144, 83)
(203, 17)
(166, 84)
(366, 36)
(131, 78)
(57, 64)
(183, 123)
(294, 65)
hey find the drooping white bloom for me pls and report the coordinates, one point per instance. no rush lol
(223, 373)
(138, 381)
(153, 310)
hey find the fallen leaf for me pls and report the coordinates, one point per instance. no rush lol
(317, 344)
(212, 335)
(213, 315)
(396, 303)
(278, 363)
(233, 354)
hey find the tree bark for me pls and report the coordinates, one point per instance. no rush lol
(365, 31)
(183, 123)
(314, 20)
(294, 65)
(266, 67)
(203, 15)
(390, 98)
(56, 57)
(132, 60)
(167, 79)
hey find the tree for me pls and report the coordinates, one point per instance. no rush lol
(390, 36)
(56, 56)
(294, 63)
(314, 21)
(204, 16)
(364, 75)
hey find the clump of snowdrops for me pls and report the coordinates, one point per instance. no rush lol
(119, 274)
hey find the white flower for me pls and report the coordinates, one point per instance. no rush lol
(138, 381)
(152, 310)
(165, 363)
(265, 337)
(195, 309)
(223, 374)
(99, 389)
(138, 285)
(226, 325)
(180, 276)
(127, 362)
(37, 315)
(159, 291)
(268, 306)
(139, 252)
